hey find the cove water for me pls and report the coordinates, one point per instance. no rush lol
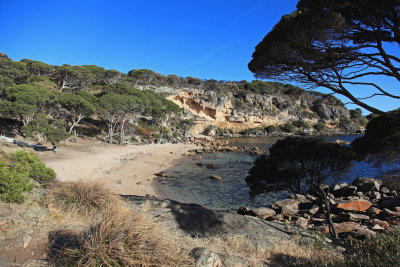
(190, 183)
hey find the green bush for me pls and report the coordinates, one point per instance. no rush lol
(382, 250)
(33, 166)
(319, 126)
(301, 124)
(272, 129)
(14, 182)
(344, 122)
(240, 104)
(288, 127)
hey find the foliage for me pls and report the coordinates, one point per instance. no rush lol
(301, 165)
(260, 87)
(301, 124)
(5, 82)
(142, 76)
(272, 129)
(156, 105)
(120, 88)
(42, 126)
(77, 108)
(380, 251)
(239, 104)
(319, 126)
(112, 76)
(89, 97)
(28, 94)
(76, 104)
(355, 113)
(251, 131)
(345, 123)
(24, 101)
(296, 159)
(114, 109)
(381, 139)
(16, 71)
(33, 166)
(43, 82)
(111, 105)
(78, 77)
(287, 127)
(14, 183)
(37, 67)
(334, 44)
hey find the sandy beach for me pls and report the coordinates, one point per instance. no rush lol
(127, 169)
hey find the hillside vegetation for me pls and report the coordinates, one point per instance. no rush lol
(52, 103)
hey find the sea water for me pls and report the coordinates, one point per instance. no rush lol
(189, 181)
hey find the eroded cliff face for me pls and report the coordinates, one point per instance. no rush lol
(229, 111)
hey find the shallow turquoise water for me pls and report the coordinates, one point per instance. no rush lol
(190, 183)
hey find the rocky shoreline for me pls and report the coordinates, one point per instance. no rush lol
(359, 210)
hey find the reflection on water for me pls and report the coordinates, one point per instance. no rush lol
(188, 182)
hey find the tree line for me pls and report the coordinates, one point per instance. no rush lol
(50, 101)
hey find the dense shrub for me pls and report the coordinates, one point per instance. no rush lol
(344, 123)
(272, 129)
(250, 131)
(319, 126)
(301, 124)
(288, 127)
(240, 104)
(33, 166)
(355, 113)
(380, 251)
(14, 183)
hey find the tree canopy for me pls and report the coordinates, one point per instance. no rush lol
(301, 165)
(24, 101)
(381, 139)
(113, 108)
(336, 44)
(76, 108)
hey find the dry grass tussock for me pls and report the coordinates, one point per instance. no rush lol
(284, 253)
(82, 198)
(120, 238)
(236, 245)
(300, 253)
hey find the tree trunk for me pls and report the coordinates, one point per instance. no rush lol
(110, 134)
(76, 136)
(74, 123)
(122, 132)
(62, 85)
(327, 212)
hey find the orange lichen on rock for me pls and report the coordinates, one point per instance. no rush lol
(357, 205)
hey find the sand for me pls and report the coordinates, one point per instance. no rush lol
(127, 169)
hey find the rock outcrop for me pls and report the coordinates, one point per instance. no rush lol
(356, 211)
(199, 221)
(229, 111)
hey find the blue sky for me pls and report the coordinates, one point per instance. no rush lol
(204, 39)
